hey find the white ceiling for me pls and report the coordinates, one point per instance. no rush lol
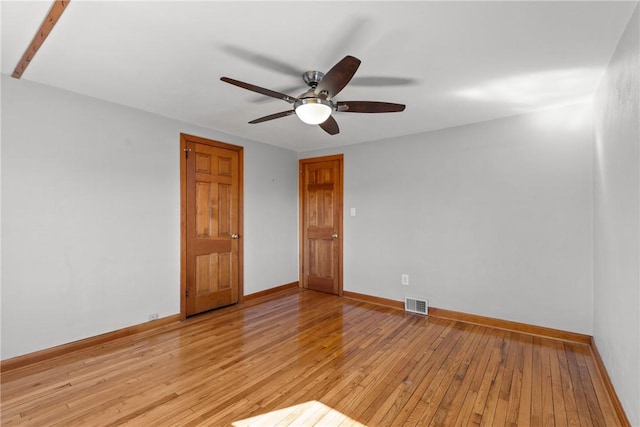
(451, 63)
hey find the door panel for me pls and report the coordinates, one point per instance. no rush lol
(203, 213)
(321, 222)
(212, 213)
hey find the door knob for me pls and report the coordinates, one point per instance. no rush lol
(235, 236)
(334, 236)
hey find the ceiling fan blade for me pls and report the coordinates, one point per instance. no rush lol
(330, 126)
(337, 77)
(258, 89)
(262, 99)
(369, 107)
(273, 116)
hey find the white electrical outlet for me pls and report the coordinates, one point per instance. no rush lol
(405, 279)
(153, 316)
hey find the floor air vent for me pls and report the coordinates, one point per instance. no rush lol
(415, 305)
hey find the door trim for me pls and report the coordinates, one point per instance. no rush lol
(184, 139)
(301, 163)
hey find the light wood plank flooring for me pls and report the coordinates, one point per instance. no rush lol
(306, 358)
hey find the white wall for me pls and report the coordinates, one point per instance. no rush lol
(617, 220)
(271, 217)
(91, 215)
(493, 218)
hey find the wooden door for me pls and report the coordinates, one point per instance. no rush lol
(212, 224)
(321, 224)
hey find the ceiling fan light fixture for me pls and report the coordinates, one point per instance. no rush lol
(315, 105)
(313, 111)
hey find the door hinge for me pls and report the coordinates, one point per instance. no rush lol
(186, 152)
(186, 293)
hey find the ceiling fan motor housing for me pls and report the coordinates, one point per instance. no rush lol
(312, 78)
(316, 104)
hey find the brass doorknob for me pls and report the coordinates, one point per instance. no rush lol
(334, 236)
(235, 236)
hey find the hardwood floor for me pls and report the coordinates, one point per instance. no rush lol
(306, 358)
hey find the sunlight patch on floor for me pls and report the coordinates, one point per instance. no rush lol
(312, 413)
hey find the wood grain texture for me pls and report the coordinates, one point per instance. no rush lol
(54, 14)
(188, 217)
(321, 201)
(479, 320)
(611, 392)
(510, 326)
(271, 291)
(303, 357)
(64, 349)
(374, 300)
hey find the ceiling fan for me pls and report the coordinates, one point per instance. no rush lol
(314, 107)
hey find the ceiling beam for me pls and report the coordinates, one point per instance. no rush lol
(47, 25)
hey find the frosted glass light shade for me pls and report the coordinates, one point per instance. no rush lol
(313, 111)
